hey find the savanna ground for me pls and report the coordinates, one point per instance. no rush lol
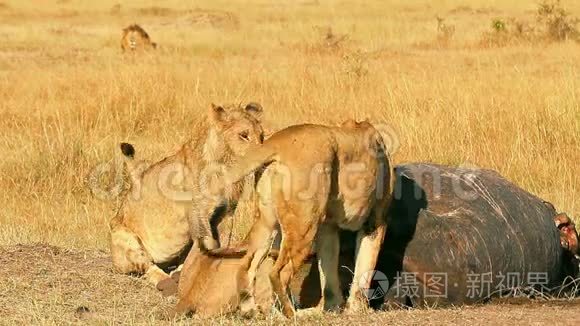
(467, 92)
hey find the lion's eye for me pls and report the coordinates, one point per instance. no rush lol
(245, 135)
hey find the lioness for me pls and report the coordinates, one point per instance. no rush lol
(315, 180)
(135, 38)
(150, 230)
(212, 286)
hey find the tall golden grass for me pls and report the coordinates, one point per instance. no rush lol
(68, 95)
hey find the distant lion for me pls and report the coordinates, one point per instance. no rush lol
(135, 39)
(150, 230)
(313, 180)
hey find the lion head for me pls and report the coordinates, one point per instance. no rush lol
(234, 129)
(135, 39)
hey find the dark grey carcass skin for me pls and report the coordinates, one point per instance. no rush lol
(483, 232)
(452, 234)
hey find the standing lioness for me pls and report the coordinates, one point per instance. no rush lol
(314, 180)
(150, 230)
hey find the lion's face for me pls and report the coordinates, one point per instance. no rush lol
(240, 126)
(134, 41)
(135, 38)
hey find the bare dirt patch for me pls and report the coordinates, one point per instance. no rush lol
(46, 284)
(43, 283)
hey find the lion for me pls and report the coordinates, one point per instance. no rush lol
(313, 180)
(150, 231)
(212, 288)
(209, 290)
(135, 39)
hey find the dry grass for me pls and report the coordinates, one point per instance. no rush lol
(49, 285)
(68, 96)
(45, 284)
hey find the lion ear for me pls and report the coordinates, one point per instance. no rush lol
(218, 114)
(255, 109)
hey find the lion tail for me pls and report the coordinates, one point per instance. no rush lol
(252, 162)
(133, 169)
